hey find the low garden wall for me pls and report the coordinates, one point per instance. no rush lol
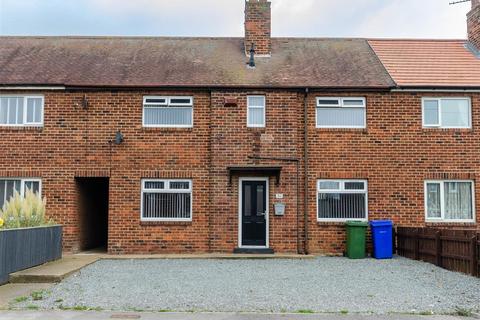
(28, 247)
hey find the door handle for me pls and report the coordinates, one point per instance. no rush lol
(262, 213)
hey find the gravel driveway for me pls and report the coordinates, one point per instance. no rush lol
(321, 285)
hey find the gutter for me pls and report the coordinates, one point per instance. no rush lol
(229, 87)
(30, 88)
(436, 89)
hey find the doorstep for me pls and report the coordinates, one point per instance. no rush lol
(254, 251)
(54, 271)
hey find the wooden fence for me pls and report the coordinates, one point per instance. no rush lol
(456, 250)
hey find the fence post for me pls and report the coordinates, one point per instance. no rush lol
(416, 249)
(394, 240)
(473, 256)
(438, 251)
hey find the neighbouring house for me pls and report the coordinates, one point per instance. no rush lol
(177, 145)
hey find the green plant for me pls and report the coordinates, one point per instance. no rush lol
(305, 311)
(37, 295)
(344, 311)
(32, 307)
(20, 299)
(462, 312)
(24, 212)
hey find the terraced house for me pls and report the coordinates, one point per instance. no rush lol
(177, 145)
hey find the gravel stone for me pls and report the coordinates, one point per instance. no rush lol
(324, 284)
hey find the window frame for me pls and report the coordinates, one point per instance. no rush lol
(22, 184)
(344, 191)
(24, 116)
(440, 118)
(166, 190)
(340, 106)
(257, 107)
(442, 202)
(167, 104)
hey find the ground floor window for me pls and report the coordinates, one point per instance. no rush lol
(10, 185)
(340, 200)
(167, 200)
(449, 201)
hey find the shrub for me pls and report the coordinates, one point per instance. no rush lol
(24, 212)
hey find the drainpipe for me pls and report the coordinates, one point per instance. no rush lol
(305, 152)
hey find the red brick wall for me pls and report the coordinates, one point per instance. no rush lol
(232, 143)
(394, 153)
(258, 17)
(74, 142)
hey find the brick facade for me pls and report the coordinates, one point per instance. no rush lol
(394, 153)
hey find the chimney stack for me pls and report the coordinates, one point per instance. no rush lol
(258, 17)
(473, 23)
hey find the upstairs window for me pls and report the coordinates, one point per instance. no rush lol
(167, 200)
(341, 112)
(341, 200)
(9, 186)
(168, 112)
(449, 201)
(21, 110)
(447, 113)
(256, 111)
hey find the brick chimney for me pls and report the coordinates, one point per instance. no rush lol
(258, 18)
(473, 23)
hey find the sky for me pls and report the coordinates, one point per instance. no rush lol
(218, 18)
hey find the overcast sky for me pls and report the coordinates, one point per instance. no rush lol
(305, 18)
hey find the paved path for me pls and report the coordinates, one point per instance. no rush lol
(73, 315)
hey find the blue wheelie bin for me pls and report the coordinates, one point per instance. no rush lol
(382, 239)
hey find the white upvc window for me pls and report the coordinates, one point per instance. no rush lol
(8, 186)
(21, 110)
(446, 113)
(166, 200)
(449, 201)
(168, 112)
(256, 111)
(342, 200)
(338, 112)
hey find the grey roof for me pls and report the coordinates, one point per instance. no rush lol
(188, 62)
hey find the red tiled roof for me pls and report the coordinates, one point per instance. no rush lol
(183, 62)
(429, 63)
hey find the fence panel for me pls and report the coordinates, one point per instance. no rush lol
(456, 250)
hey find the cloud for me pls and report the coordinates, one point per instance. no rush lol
(307, 18)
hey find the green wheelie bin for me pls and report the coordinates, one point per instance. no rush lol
(356, 239)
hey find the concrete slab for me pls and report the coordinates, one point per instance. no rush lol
(54, 271)
(12, 291)
(206, 256)
(73, 315)
(58, 270)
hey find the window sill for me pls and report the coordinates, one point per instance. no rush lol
(167, 129)
(164, 223)
(327, 129)
(450, 223)
(21, 128)
(440, 129)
